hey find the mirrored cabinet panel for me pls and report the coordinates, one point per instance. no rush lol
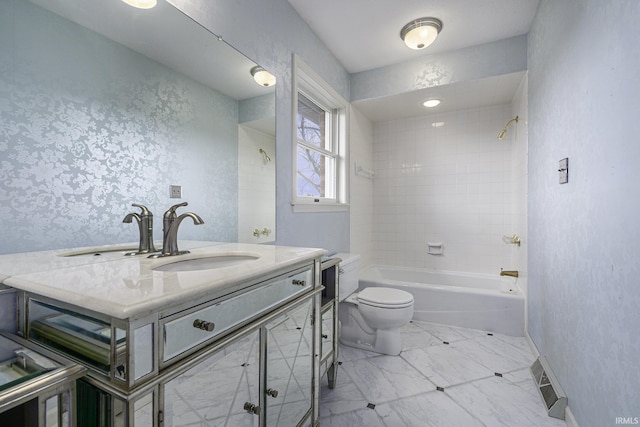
(289, 348)
(36, 390)
(88, 339)
(218, 389)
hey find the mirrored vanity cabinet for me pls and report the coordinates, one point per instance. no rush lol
(246, 355)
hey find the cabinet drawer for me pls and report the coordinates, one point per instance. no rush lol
(187, 331)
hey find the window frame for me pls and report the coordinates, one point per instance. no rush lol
(316, 90)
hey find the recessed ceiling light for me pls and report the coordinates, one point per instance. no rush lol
(420, 33)
(430, 103)
(141, 4)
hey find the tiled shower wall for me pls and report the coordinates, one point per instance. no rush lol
(444, 178)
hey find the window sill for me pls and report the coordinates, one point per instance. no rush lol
(319, 207)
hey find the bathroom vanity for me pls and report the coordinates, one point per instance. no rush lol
(227, 332)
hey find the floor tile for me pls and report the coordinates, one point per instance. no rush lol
(413, 336)
(344, 397)
(464, 369)
(523, 379)
(347, 354)
(362, 417)
(385, 378)
(446, 365)
(448, 333)
(431, 409)
(495, 354)
(499, 402)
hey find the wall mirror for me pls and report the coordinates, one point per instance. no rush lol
(103, 105)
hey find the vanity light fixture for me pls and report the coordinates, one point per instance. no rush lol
(141, 4)
(430, 103)
(262, 76)
(421, 32)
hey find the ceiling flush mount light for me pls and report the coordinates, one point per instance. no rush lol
(262, 76)
(430, 103)
(420, 33)
(141, 4)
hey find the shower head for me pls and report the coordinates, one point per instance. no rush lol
(503, 132)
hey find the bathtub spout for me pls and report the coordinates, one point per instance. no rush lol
(511, 273)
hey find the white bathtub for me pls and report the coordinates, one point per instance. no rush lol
(469, 300)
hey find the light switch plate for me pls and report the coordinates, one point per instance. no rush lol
(563, 170)
(175, 191)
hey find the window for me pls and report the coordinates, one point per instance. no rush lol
(320, 146)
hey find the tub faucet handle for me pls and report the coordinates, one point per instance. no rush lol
(510, 273)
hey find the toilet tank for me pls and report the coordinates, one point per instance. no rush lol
(349, 271)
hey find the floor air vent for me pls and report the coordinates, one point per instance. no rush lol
(552, 394)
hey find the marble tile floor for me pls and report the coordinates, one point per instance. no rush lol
(445, 376)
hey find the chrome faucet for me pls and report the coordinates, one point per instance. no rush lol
(145, 225)
(171, 221)
(511, 273)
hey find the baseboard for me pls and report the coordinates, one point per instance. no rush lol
(532, 345)
(569, 418)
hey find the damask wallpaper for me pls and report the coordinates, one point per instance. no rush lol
(88, 127)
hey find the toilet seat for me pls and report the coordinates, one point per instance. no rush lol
(385, 298)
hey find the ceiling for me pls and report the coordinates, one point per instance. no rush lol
(188, 48)
(455, 97)
(357, 47)
(365, 34)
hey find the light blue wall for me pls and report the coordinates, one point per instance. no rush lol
(257, 108)
(584, 236)
(270, 32)
(88, 127)
(476, 62)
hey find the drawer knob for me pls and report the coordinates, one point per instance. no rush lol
(299, 282)
(204, 325)
(325, 336)
(271, 392)
(251, 408)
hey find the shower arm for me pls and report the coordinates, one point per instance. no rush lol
(503, 132)
(267, 159)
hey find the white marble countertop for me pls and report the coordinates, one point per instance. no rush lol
(32, 262)
(125, 287)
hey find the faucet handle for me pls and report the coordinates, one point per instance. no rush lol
(172, 210)
(143, 209)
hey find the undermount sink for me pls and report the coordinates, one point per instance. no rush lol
(208, 262)
(100, 251)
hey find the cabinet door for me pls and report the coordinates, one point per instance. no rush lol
(216, 391)
(326, 341)
(289, 367)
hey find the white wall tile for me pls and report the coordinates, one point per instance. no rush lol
(452, 184)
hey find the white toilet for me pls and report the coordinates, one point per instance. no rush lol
(370, 318)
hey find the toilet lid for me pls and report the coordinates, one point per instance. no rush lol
(385, 297)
